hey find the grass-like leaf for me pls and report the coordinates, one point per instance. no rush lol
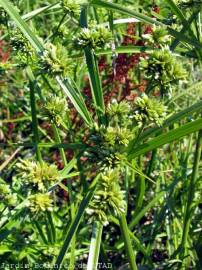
(168, 137)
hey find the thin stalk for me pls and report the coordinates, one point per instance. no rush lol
(52, 227)
(72, 208)
(151, 162)
(40, 231)
(190, 198)
(140, 194)
(95, 246)
(127, 242)
(34, 113)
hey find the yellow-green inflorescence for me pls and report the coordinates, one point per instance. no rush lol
(55, 109)
(55, 60)
(39, 203)
(96, 36)
(38, 175)
(117, 113)
(108, 199)
(73, 7)
(158, 37)
(37, 178)
(7, 196)
(163, 70)
(149, 110)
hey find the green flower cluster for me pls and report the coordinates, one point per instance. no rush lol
(107, 146)
(113, 136)
(55, 109)
(55, 60)
(21, 46)
(149, 110)
(117, 113)
(36, 179)
(159, 36)
(7, 197)
(108, 198)
(40, 202)
(4, 67)
(38, 175)
(188, 3)
(20, 43)
(73, 7)
(96, 36)
(163, 70)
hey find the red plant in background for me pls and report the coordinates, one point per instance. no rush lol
(4, 51)
(117, 79)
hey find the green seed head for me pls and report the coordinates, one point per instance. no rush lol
(39, 175)
(95, 36)
(149, 110)
(39, 203)
(108, 199)
(56, 109)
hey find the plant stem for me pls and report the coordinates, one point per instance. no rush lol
(32, 84)
(190, 198)
(95, 246)
(127, 242)
(63, 156)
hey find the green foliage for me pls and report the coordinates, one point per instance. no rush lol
(107, 137)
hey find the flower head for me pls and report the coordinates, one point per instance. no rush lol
(108, 199)
(149, 110)
(159, 36)
(7, 196)
(39, 175)
(118, 113)
(72, 7)
(96, 36)
(40, 203)
(163, 69)
(55, 109)
(55, 60)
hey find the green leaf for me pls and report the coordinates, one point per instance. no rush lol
(136, 218)
(96, 86)
(168, 137)
(5, 249)
(168, 122)
(38, 11)
(126, 49)
(123, 10)
(127, 242)
(76, 98)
